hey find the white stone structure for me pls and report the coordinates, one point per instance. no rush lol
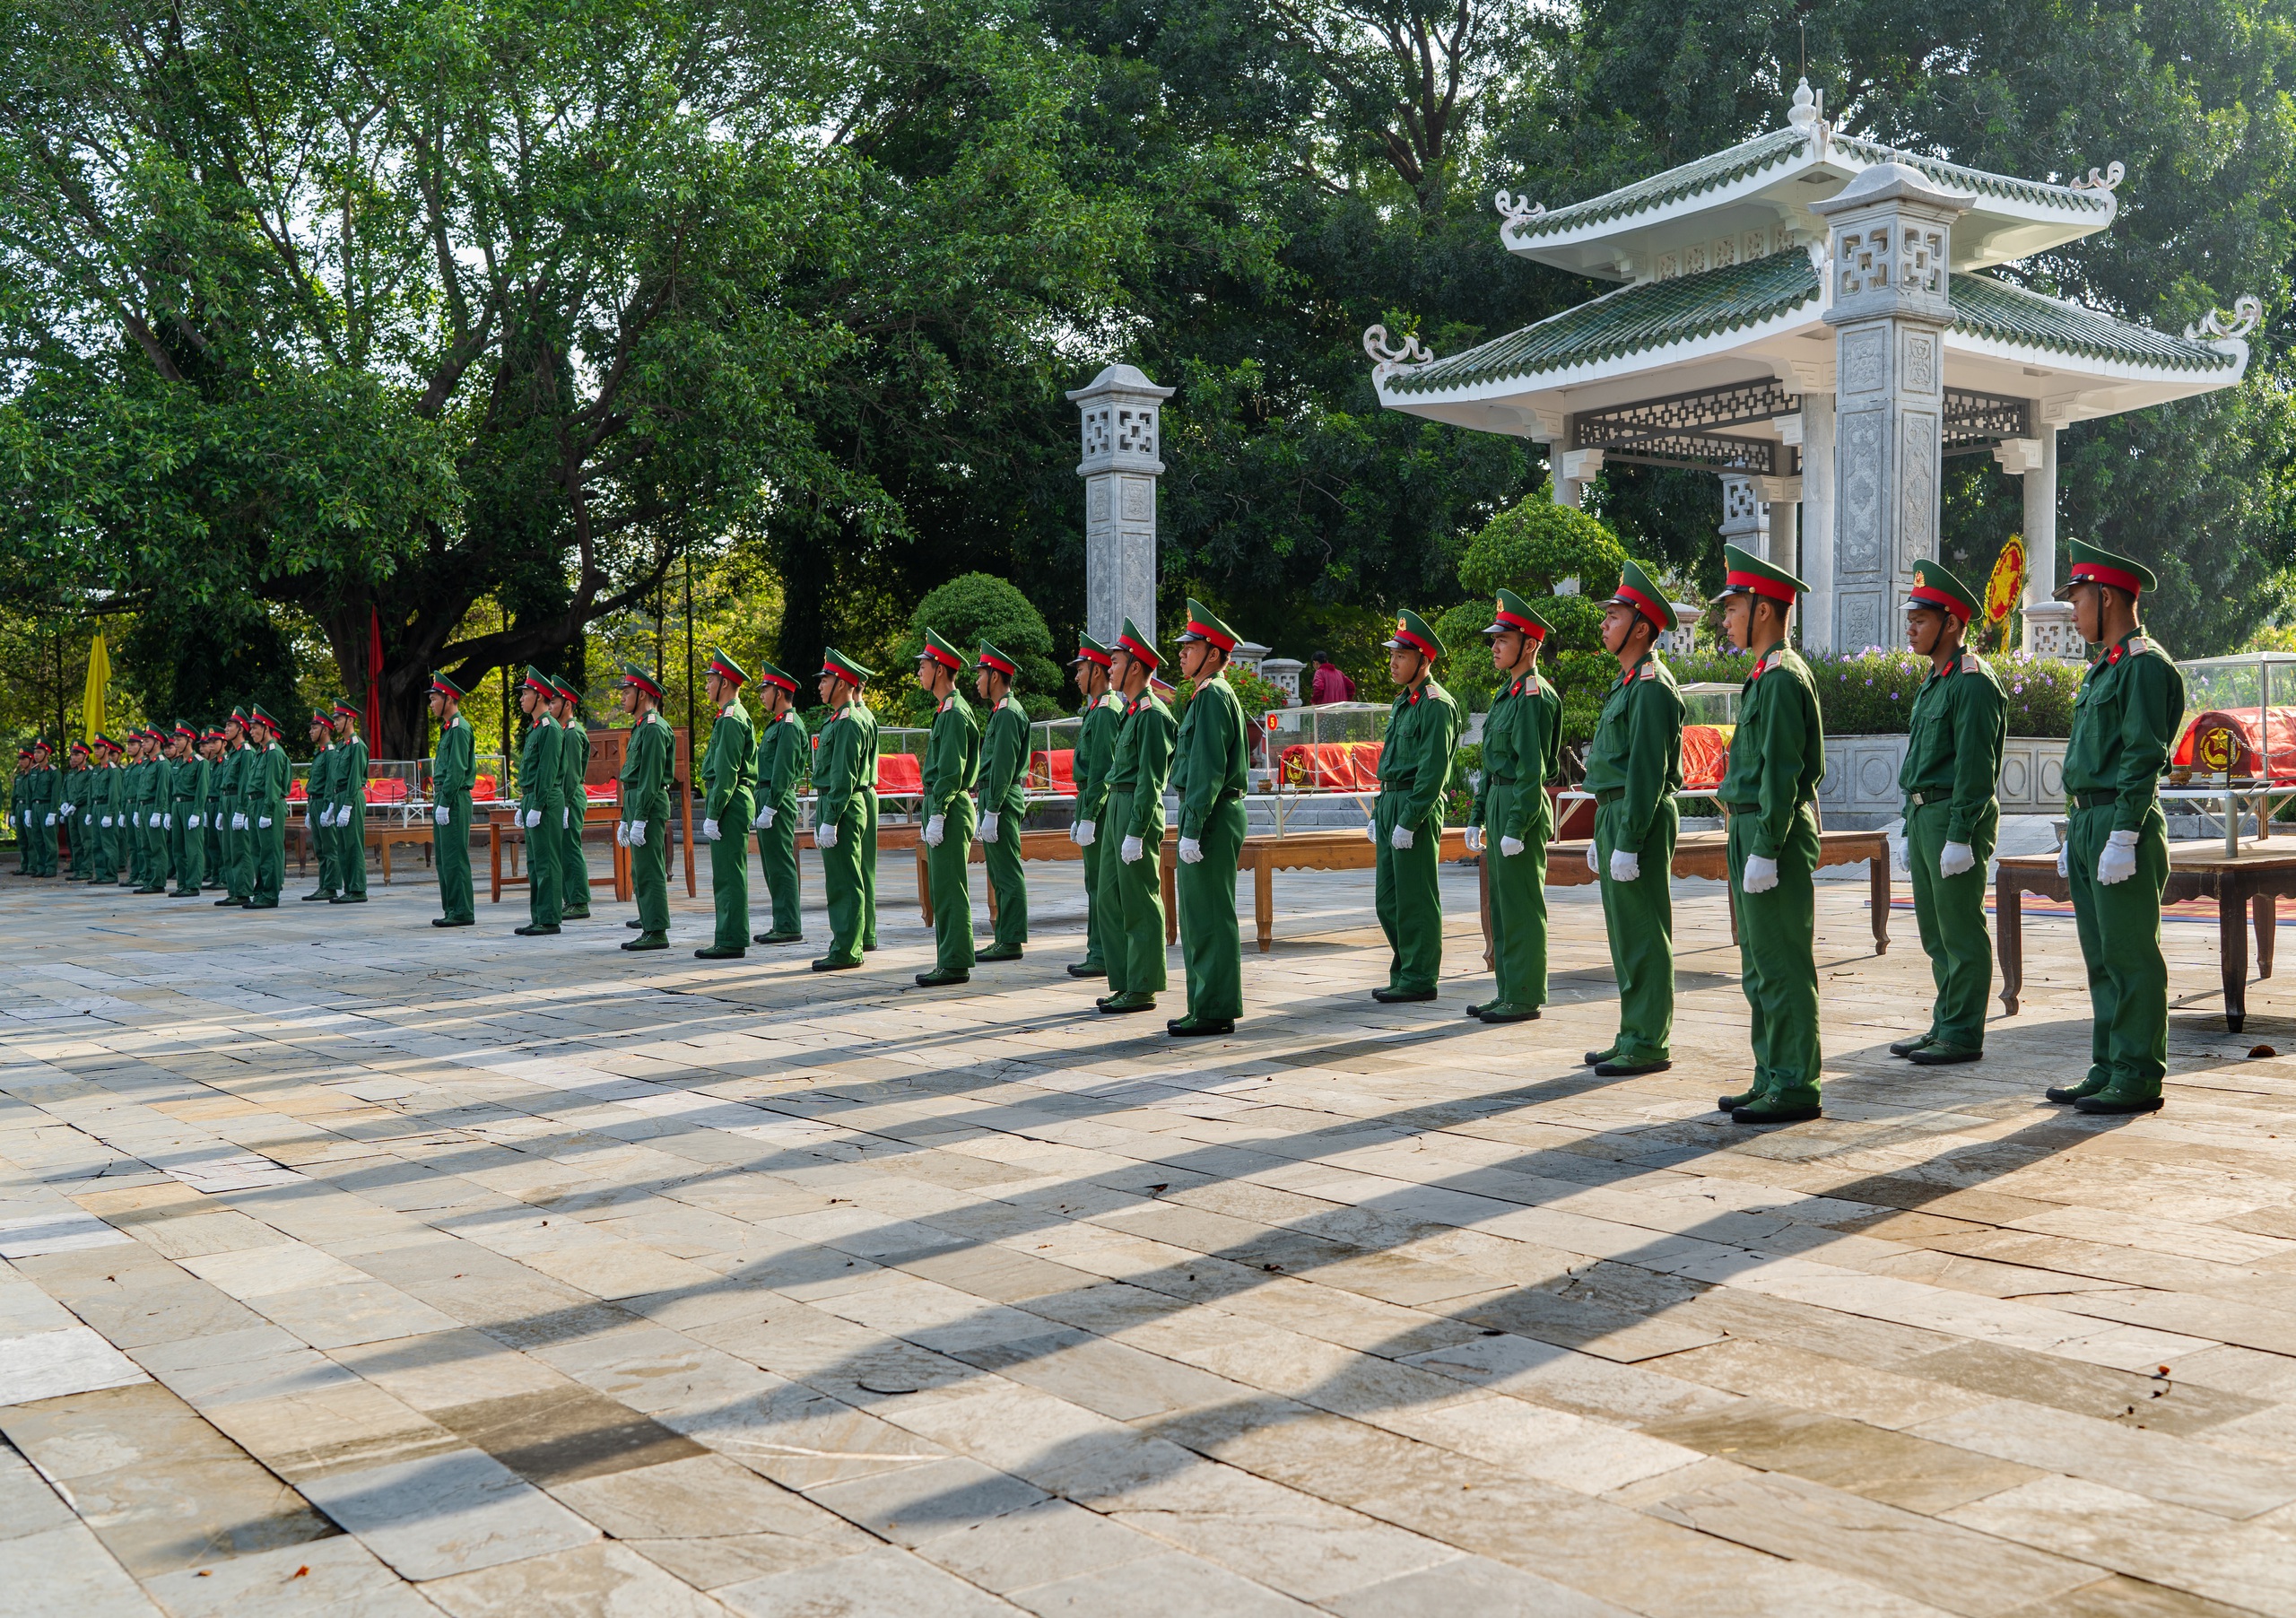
(1123, 427)
(1806, 314)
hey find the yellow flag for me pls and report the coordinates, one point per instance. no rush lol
(91, 705)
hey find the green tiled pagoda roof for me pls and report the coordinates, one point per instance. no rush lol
(1776, 149)
(1659, 314)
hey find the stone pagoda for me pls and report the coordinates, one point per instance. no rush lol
(1807, 316)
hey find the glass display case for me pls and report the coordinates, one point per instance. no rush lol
(1325, 750)
(2235, 752)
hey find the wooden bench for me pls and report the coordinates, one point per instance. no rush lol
(1708, 854)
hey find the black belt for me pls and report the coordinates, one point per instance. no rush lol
(1922, 800)
(2093, 800)
(1500, 780)
(1607, 796)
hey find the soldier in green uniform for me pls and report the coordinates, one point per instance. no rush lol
(542, 798)
(1132, 893)
(349, 796)
(454, 773)
(231, 809)
(76, 819)
(186, 843)
(644, 825)
(211, 748)
(155, 790)
(104, 800)
(845, 774)
(1102, 717)
(1950, 780)
(1522, 742)
(2116, 852)
(1002, 799)
(268, 775)
(134, 780)
(319, 806)
(1634, 767)
(47, 798)
(729, 771)
(952, 766)
(573, 815)
(781, 750)
(1777, 756)
(1210, 761)
(117, 846)
(1406, 825)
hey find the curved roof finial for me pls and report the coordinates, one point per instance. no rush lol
(1807, 106)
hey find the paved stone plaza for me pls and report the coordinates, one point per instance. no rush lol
(359, 1268)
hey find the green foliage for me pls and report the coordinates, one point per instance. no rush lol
(1871, 693)
(967, 610)
(1535, 544)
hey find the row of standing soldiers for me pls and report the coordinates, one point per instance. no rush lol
(1131, 749)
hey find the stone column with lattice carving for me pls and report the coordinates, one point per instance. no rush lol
(2047, 622)
(1123, 432)
(1889, 301)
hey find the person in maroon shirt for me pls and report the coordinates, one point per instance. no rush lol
(1329, 684)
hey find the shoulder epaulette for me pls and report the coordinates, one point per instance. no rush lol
(1970, 664)
(1649, 671)
(2142, 643)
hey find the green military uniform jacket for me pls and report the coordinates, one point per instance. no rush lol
(348, 786)
(1103, 718)
(951, 754)
(1143, 761)
(1637, 752)
(2125, 720)
(646, 771)
(1209, 766)
(847, 764)
(542, 784)
(318, 782)
(1423, 729)
(230, 774)
(454, 766)
(574, 772)
(1522, 743)
(729, 770)
(780, 762)
(268, 777)
(1004, 760)
(1959, 720)
(1778, 755)
(191, 792)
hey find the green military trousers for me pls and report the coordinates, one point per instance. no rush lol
(43, 844)
(231, 870)
(868, 867)
(324, 844)
(650, 877)
(122, 850)
(269, 861)
(351, 851)
(1517, 895)
(845, 893)
(1094, 960)
(574, 862)
(1410, 903)
(1132, 901)
(187, 849)
(138, 849)
(1950, 912)
(156, 868)
(83, 864)
(2120, 940)
(1211, 947)
(1640, 918)
(946, 875)
(776, 859)
(1778, 959)
(729, 874)
(1008, 882)
(545, 906)
(451, 854)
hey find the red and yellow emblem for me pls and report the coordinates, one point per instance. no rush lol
(2006, 586)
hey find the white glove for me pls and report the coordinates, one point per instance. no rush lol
(1511, 846)
(825, 837)
(565, 817)
(107, 820)
(443, 816)
(2117, 862)
(326, 815)
(1072, 832)
(621, 834)
(1191, 851)
(1592, 863)
(1625, 867)
(263, 824)
(1371, 830)
(1400, 837)
(932, 834)
(195, 821)
(1954, 858)
(2063, 850)
(171, 820)
(1130, 850)
(758, 821)
(638, 834)
(534, 818)
(709, 831)
(1762, 874)
(51, 820)
(239, 821)
(63, 809)
(1901, 856)
(1473, 837)
(1085, 834)
(765, 818)
(135, 820)
(988, 827)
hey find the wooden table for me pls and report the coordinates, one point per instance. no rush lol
(382, 838)
(1263, 856)
(2246, 886)
(1708, 854)
(503, 828)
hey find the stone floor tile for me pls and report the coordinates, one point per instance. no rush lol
(74, 1360)
(65, 1570)
(561, 1435)
(447, 1514)
(2157, 1465)
(337, 1578)
(869, 1585)
(1470, 1584)
(1170, 1586)
(65, 1229)
(1038, 1545)
(591, 1581)
(915, 1503)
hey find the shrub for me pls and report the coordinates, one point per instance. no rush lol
(1535, 544)
(968, 610)
(1871, 692)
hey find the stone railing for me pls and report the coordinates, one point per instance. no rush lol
(1862, 779)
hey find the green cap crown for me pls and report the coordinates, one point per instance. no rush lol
(991, 659)
(1637, 589)
(2093, 564)
(1140, 647)
(834, 662)
(726, 668)
(1932, 581)
(445, 683)
(1749, 575)
(1205, 624)
(1412, 632)
(541, 682)
(768, 675)
(1089, 650)
(942, 652)
(1511, 614)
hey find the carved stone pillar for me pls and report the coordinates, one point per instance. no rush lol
(1818, 617)
(2049, 623)
(1891, 244)
(1123, 430)
(1745, 519)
